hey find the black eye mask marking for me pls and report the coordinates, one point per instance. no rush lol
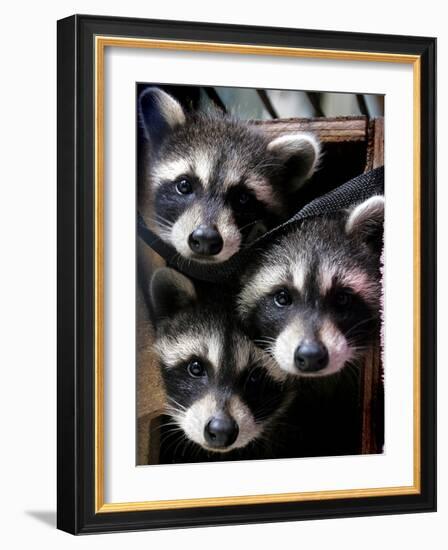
(172, 198)
(242, 200)
(342, 299)
(248, 210)
(187, 382)
(272, 312)
(354, 317)
(262, 394)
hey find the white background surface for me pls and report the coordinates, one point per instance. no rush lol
(123, 481)
(28, 275)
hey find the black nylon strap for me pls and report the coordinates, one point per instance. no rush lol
(355, 190)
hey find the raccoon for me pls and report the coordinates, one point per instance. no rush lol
(224, 395)
(312, 300)
(212, 183)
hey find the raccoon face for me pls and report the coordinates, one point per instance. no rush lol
(214, 183)
(222, 392)
(313, 304)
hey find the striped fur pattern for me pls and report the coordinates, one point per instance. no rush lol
(318, 287)
(211, 369)
(210, 170)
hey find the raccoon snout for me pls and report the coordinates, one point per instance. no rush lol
(221, 431)
(205, 240)
(311, 356)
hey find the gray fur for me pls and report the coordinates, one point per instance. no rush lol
(221, 157)
(314, 262)
(201, 329)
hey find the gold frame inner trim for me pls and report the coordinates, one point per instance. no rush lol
(101, 42)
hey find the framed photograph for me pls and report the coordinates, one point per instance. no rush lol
(246, 274)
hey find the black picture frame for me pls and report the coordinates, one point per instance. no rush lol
(76, 255)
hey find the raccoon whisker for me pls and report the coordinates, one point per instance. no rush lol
(175, 416)
(265, 441)
(172, 437)
(354, 345)
(188, 443)
(183, 440)
(164, 220)
(181, 260)
(197, 449)
(249, 224)
(192, 447)
(164, 234)
(264, 415)
(162, 224)
(261, 442)
(164, 231)
(268, 346)
(170, 432)
(350, 371)
(170, 422)
(351, 329)
(358, 351)
(166, 443)
(247, 245)
(265, 340)
(166, 224)
(353, 365)
(265, 412)
(173, 403)
(264, 345)
(175, 442)
(160, 219)
(171, 400)
(173, 413)
(270, 352)
(174, 426)
(184, 262)
(175, 408)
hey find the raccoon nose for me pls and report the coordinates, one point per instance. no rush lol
(205, 240)
(311, 356)
(221, 431)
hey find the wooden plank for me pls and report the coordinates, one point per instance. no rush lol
(375, 143)
(371, 386)
(332, 129)
(372, 383)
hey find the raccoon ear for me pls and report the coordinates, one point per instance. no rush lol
(300, 155)
(367, 221)
(170, 292)
(159, 113)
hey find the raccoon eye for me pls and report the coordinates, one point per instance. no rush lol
(254, 376)
(243, 198)
(343, 298)
(196, 369)
(282, 298)
(184, 187)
